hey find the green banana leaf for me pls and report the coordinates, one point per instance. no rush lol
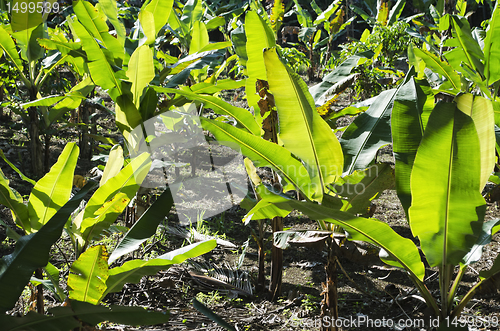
(302, 130)
(114, 164)
(13, 167)
(481, 111)
(9, 49)
(96, 216)
(132, 271)
(88, 275)
(98, 63)
(199, 37)
(262, 152)
(146, 19)
(26, 41)
(212, 88)
(363, 186)
(259, 36)
(470, 49)
(440, 67)
(140, 71)
(369, 132)
(447, 208)
(484, 238)
(110, 9)
(145, 226)
(492, 48)
(412, 106)
(105, 216)
(341, 73)
(54, 189)
(96, 25)
(243, 116)
(213, 316)
(161, 10)
(32, 252)
(11, 199)
(66, 318)
(402, 252)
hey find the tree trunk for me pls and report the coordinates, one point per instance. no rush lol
(276, 262)
(85, 147)
(329, 307)
(35, 145)
(39, 292)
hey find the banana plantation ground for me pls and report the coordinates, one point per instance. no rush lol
(369, 292)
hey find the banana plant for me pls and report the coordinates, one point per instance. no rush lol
(34, 65)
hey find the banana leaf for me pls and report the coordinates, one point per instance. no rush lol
(110, 9)
(262, 153)
(9, 48)
(492, 48)
(481, 111)
(259, 36)
(54, 189)
(145, 226)
(66, 318)
(132, 271)
(88, 275)
(368, 133)
(301, 128)
(472, 53)
(410, 113)
(114, 164)
(243, 116)
(32, 252)
(401, 252)
(96, 25)
(447, 208)
(140, 71)
(11, 199)
(440, 67)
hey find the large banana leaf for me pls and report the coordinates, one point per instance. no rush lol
(262, 152)
(96, 25)
(31, 51)
(259, 37)
(492, 48)
(368, 133)
(13, 200)
(114, 164)
(32, 252)
(111, 11)
(341, 73)
(132, 271)
(410, 113)
(54, 189)
(440, 67)
(402, 251)
(243, 116)
(100, 212)
(145, 226)
(199, 37)
(140, 71)
(302, 130)
(98, 63)
(470, 49)
(66, 318)
(88, 275)
(363, 186)
(161, 11)
(481, 111)
(447, 208)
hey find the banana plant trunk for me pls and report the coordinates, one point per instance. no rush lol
(85, 146)
(329, 306)
(276, 262)
(35, 145)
